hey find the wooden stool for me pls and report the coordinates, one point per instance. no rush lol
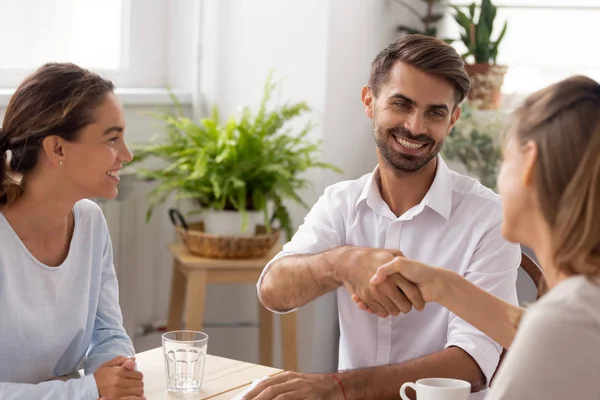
(190, 276)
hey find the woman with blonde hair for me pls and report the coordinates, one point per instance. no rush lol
(61, 142)
(550, 188)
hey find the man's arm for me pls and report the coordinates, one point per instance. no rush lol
(317, 261)
(295, 280)
(304, 269)
(383, 382)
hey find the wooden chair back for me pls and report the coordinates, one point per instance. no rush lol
(537, 277)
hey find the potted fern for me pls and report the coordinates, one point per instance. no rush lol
(482, 51)
(246, 166)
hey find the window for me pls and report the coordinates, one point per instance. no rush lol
(546, 40)
(89, 33)
(141, 44)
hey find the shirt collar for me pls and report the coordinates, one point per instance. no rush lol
(438, 197)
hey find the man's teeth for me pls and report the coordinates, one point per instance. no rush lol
(408, 144)
(114, 174)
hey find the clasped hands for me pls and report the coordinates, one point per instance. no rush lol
(384, 282)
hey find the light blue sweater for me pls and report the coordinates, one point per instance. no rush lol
(56, 320)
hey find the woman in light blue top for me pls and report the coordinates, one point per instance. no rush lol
(61, 142)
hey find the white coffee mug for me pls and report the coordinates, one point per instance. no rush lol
(438, 389)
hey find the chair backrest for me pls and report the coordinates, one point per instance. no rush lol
(535, 274)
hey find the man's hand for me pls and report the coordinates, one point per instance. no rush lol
(427, 279)
(117, 379)
(430, 280)
(292, 386)
(359, 265)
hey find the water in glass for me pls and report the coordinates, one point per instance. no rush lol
(185, 354)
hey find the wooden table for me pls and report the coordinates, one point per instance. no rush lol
(223, 378)
(191, 274)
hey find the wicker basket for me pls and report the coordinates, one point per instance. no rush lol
(204, 244)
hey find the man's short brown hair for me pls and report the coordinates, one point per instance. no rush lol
(430, 55)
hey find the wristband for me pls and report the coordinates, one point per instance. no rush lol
(340, 383)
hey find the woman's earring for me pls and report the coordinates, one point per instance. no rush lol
(59, 162)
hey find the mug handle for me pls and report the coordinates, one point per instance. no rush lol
(403, 390)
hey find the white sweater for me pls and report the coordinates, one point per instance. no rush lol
(55, 320)
(556, 352)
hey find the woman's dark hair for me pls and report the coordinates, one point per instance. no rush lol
(58, 99)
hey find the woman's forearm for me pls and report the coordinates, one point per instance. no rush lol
(491, 315)
(83, 388)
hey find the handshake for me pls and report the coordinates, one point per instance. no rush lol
(384, 282)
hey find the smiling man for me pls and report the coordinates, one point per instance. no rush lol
(413, 204)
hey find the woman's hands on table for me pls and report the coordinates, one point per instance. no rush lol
(117, 379)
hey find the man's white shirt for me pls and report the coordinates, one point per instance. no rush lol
(456, 226)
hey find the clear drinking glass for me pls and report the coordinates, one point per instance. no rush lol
(185, 354)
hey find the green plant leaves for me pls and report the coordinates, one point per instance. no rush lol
(432, 19)
(462, 19)
(253, 162)
(476, 32)
(475, 143)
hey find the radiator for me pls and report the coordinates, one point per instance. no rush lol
(141, 258)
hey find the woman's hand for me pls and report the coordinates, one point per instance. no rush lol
(117, 379)
(427, 279)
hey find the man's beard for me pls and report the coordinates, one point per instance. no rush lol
(405, 163)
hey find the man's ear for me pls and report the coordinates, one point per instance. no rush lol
(368, 100)
(454, 118)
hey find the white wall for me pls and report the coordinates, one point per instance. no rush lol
(242, 42)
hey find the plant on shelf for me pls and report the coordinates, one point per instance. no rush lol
(429, 20)
(254, 162)
(475, 142)
(482, 51)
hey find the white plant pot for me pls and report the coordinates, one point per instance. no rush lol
(221, 222)
(229, 223)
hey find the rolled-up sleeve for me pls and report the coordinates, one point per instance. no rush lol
(493, 268)
(316, 234)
